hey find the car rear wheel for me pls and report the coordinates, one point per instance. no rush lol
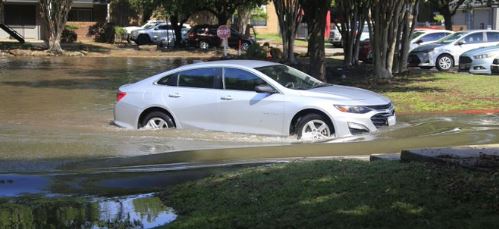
(157, 120)
(445, 62)
(245, 46)
(314, 127)
(204, 45)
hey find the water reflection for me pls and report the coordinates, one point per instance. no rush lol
(139, 211)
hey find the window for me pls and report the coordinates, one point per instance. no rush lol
(474, 38)
(201, 78)
(170, 80)
(164, 27)
(259, 16)
(20, 14)
(80, 14)
(236, 79)
(433, 37)
(492, 36)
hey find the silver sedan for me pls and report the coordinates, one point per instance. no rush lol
(248, 96)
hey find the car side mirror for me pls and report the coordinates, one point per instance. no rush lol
(264, 88)
(419, 41)
(460, 43)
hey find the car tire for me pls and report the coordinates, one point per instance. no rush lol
(157, 120)
(444, 62)
(204, 45)
(143, 39)
(314, 127)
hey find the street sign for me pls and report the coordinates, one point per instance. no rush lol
(223, 32)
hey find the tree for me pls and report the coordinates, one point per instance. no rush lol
(179, 12)
(143, 8)
(447, 8)
(406, 28)
(316, 12)
(1, 12)
(289, 15)
(224, 9)
(54, 13)
(386, 32)
(353, 14)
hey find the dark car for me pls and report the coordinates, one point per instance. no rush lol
(205, 36)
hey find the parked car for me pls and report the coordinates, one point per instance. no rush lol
(478, 61)
(148, 25)
(248, 96)
(444, 54)
(494, 68)
(336, 39)
(426, 36)
(418, 38)
(205, 36)
(160, 33)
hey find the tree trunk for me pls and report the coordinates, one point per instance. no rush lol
(447, 18)
(244, 16)
(1, 12)
(316, 12)
(406, 37)
(288, 13)
(222, 18)
(55, 14)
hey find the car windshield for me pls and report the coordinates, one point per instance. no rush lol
(290, 77)
(451, 38)
(416, 34)
(148, 26)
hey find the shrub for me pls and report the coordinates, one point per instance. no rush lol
(103, 32)
(68, 34)
(255, 51)
(119, 33)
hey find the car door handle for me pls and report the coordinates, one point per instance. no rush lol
(174, 95)
(228, 97)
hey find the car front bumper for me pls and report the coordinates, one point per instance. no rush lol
(421, 59)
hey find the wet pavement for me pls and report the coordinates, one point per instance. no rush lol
(57, 110)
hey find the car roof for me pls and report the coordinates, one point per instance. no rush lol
(238, 63)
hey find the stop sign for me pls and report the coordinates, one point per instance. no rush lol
(223, 32)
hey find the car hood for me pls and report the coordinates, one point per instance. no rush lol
(483, 50)
(348, 95)
(427, 47)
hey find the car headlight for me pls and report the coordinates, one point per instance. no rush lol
(484, 56)
(353, 109)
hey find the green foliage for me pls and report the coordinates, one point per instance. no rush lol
(438, 18)
(71, 27)
(69, 35)
(340, 194)
(103, 32)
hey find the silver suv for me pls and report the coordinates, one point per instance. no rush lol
(155, 34)
(444, 54)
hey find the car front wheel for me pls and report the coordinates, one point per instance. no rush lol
(157, 120)
(314, 127)
(445, 62)
(204, 45)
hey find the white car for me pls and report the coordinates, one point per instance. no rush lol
(444, 54)
(248, 96)
(425, 36)
(336, 39)
(478, 61)
(148, 25)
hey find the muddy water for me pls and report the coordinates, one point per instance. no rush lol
(61, 108)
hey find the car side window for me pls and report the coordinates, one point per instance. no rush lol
(430, 37)
(201, 78)
(237, 79)
(474, 38)
(169, 80)
(492, 36)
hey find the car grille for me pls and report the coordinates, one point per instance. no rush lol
(464, 60)
(381, 107)
(381, 119)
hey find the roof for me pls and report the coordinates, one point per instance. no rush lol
(241, 63)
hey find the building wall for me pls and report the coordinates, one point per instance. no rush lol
(272, 26)
(476, 18)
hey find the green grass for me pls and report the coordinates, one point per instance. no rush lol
(340, 194)
(276, 38)
(439, 92)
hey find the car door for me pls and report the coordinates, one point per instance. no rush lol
(194, 102)
(469, 42)
(245, 110)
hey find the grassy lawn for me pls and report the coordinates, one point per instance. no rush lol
(438, 92)
(276, 38)
(340, 194)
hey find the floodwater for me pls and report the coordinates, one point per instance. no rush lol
(60, 109)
